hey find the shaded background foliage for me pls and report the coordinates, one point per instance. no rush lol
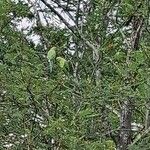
(78, 104)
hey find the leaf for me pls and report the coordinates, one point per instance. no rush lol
(51, 53)
(139, 56)
(110, 145)
(119, 56)
(61, 62)
(85, 113)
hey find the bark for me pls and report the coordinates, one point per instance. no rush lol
(147, 118)
(125, 134)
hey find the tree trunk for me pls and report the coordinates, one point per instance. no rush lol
(147, 118)
(125, 134)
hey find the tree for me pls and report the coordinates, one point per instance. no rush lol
(84, 84)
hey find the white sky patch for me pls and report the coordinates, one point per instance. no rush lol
(35, 38)
(24, 136)
(8, 145)
(46, 19)
(24, 25)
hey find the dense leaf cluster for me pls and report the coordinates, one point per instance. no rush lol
(67, 90)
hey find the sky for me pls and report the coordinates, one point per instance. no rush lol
(25, 24)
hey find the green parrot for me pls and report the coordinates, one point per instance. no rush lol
(51, 55)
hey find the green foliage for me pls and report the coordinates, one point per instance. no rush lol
(143, 144)
(49, 98)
